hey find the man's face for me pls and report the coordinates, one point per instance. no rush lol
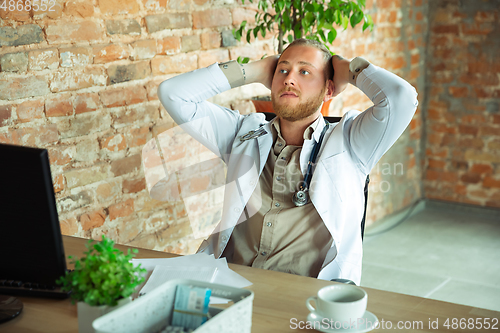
(299, 83)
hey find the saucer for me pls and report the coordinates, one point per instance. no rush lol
(369, 323)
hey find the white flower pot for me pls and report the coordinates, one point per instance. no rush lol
(87, 314)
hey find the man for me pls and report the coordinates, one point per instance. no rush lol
(261, 224)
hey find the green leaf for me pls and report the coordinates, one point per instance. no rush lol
(280, 4)
(332, 34)
(322, 35)
(345, 22)
(356, 18)
(290, 39)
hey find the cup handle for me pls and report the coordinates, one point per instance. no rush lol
(308, 303)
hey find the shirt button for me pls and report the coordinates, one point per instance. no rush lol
(224, 238)
(263, 253)
(277, 204)
(278, 178)
(283, 158)
(236, 210)
(280, 144)
(269, 224)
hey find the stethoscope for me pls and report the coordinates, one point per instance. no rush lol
(301, 196)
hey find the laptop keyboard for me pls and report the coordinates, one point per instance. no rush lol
(29, 289)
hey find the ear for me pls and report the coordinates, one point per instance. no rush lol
(330, 88)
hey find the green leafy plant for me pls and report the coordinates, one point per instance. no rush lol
(103, 276)
(311, 19)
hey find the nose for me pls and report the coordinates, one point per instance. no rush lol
(289, 80)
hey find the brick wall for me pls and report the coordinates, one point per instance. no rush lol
(463, 115)
(398, 44)
(81, 81)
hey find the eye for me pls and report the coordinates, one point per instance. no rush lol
(304, 72)
(283, 71)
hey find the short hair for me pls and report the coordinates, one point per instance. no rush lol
(327, 55)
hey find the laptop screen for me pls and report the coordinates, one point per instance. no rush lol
(31, 246)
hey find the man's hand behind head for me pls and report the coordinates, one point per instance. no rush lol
(261, 71)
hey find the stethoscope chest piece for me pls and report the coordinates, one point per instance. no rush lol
(300, 198)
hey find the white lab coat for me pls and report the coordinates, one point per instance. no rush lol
(350, 150)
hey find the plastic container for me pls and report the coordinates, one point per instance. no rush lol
(151, 313)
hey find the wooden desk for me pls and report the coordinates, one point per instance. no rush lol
(279, 297)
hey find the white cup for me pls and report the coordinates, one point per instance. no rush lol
(339, 303)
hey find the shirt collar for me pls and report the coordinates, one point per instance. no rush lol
(312, 131)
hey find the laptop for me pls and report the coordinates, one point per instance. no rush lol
(31, 248)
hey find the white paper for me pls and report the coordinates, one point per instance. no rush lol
(162, 274)
(224, 275)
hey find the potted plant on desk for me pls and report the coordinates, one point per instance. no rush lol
(311, 19)
(101, 281)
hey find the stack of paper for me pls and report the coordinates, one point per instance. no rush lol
(199, 267)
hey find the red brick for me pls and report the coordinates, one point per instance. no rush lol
(80, 9)
(75, 56)
(59, 155)
(122, 73)
(143, 49)
(155, 4)
(43, 59)
(243, 14)
(434, 138)
(37, 136)
(209, 57)
(133, 185)
(384, 4)
(491, 182)
(432, 175)
(68, 226)
(415, 58)
(444, 128)
(190, 43)
(16, 88)
(487, 79)
(496, 119)
(126, 165)
(52, 12)
(93, 220)
(459, 92)
(15, 15)
(108, 53)
(76, 80)
(489, 131)
(73, 31)
(471, 143)
(461, 189)
(121, 209)
(58, 183)
(114, 7)
(123, 96)
(30, 109)
(169, 45)
(174, 64)
(156, 23)
(466, 129)
(437, 152)
(59, 106)
(482, 168)
(86, 102)
(473, 119)
(114, 143)
(211, 18)
(485, 16)
(446, 29)
(5, 115)
(436, 164)
(11, 136)
(138, 136)
(476, 28)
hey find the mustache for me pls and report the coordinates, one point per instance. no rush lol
(295, 91)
